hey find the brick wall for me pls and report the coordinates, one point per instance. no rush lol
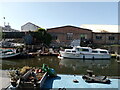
(64, 35)
(106, 38)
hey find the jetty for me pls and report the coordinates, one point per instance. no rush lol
(4, 79)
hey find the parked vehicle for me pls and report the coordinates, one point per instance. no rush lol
(78, 52)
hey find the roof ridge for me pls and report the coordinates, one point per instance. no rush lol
(30, 23)
(69, 26)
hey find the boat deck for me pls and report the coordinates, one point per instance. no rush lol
(66, 81)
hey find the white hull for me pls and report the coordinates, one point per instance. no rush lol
(84, 56)
(9, 55)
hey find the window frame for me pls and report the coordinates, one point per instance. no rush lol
(98, 37)
(111, 38)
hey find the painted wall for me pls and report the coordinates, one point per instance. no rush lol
(29, 27)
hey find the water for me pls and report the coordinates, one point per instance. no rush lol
(66, 66)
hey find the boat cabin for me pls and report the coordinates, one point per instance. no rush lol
(79, 49)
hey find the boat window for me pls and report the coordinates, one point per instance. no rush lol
(85, 50)
(103, 52)
(73, 51)
(77, 49)
(68, 51)
(94, 51)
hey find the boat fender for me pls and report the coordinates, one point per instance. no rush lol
(75, 81)
(84, 77)
(40, 70)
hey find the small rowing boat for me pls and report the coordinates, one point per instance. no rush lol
(29, 77)
(8, 53)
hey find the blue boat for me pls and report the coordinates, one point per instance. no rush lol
(66, 82)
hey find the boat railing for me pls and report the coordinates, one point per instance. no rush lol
(26, 75)
(43, 79)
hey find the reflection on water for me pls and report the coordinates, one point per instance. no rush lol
(82, 65)
(66, 66)
(74, 63)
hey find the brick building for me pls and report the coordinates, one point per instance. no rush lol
(63, 36)
(66, 35)
(106, 38)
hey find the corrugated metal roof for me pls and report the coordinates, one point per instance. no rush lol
(101, 28)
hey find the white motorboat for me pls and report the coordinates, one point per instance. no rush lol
(8, 53)
(78, 52)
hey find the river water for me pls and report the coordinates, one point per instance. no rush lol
(66, 66)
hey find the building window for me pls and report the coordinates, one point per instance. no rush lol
(83, 36)
(111, 38)
(54, 37)
(98, 37)
(69, 36)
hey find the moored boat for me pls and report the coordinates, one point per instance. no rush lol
(30, 77)
(8, 53)
(78, 52)
(90, 78)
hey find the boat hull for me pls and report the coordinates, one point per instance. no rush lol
(9, 56)
(21, 84)
(84, 56)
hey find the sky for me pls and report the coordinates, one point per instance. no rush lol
(56, 14)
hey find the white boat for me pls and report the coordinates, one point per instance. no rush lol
(8, 53)
(78, 52)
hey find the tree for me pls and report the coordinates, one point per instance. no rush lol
(42, 37)
(2, 35)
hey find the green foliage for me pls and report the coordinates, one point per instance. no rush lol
(0, 35)
(47, 39)
(40, 29)
(42, 36)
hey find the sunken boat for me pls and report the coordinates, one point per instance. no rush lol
(29, 77)
(90, 78)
